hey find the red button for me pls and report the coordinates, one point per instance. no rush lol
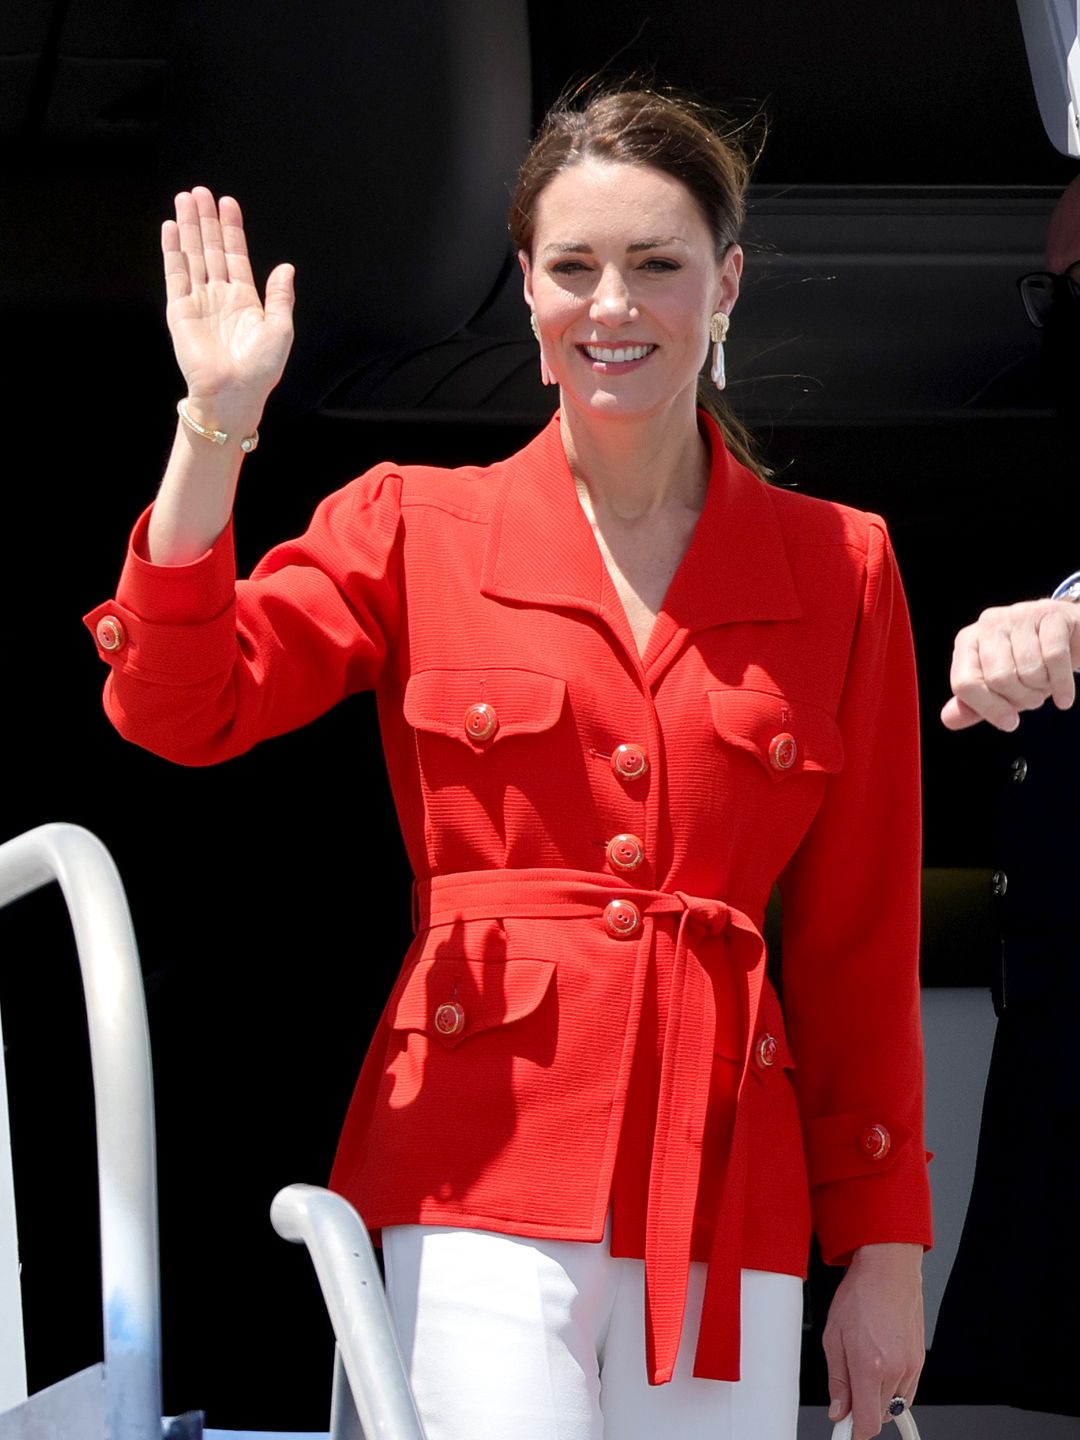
(481, 722)
(629, 762)
(622, 918)
(783, 751)
(625, 852)
(875, 1142)
(110, 633)
(768, 1047)
(450, 1018)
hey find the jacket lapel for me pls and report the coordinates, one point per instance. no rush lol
(736, 567)
(541, 550)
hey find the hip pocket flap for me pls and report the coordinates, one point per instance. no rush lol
(453, 999)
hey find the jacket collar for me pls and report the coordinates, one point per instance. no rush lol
(541, 549)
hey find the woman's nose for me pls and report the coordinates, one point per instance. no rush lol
(612, 302)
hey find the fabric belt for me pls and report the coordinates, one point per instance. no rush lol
(710, 936)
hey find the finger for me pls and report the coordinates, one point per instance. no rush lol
(1029, 657)
(187, 222)
(235, 241)
(177, 280)
(210, 230)
(978, 700)
(1054, 638)
(281, 295)
(906, 1387)
(1000, 666)
(909, 1386)
(868, 1403)
(839, 1390)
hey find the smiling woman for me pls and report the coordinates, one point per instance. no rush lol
(625, 687)
(632, 296)
(667, 143)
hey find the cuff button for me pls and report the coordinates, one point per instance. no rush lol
(110, 632)
(768, 1047)
(875, 1142)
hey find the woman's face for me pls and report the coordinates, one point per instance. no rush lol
(622, 280)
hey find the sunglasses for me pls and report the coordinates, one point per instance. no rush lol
(1040, 290)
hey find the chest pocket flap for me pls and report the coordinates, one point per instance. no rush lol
(787, 737)
(482, 707)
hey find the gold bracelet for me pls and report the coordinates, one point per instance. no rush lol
(216, 437)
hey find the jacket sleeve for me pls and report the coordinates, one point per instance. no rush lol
(851, 946)
(203, 666)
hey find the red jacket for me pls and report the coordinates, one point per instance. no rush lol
(583, 1022)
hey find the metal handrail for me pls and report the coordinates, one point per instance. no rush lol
(123, 1104)
(352, 1290)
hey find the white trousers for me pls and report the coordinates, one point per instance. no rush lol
(513, 1339)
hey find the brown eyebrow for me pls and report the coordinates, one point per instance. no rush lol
(579, 247)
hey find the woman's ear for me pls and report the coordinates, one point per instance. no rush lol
(728, 274)
(546, 377)
(526, 270)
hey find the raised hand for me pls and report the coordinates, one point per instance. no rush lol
(230, 345)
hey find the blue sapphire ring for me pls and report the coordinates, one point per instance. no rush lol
(897, 1405)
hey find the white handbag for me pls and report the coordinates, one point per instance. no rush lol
(904, 1422)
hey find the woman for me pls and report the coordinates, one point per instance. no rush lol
(624, 686)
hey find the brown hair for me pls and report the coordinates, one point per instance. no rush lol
(647, 127)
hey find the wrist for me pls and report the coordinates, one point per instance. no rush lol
(243, 434)
(234, 413)
(890, 1254)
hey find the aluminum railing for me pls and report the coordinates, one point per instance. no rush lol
(123, 1105)
(371, 1398)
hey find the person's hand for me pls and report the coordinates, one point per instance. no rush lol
(1012, 659)
(874, 1335)
(230, 346)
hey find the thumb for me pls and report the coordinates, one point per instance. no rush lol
(281, 294)
(955, 715)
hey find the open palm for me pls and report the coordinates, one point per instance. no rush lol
(227, 340)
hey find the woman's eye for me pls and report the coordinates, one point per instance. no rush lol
(656, 263)
(568, 267)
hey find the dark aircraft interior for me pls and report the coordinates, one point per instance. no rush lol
(879, 352)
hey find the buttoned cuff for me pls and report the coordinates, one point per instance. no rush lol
(177, 594)
(868, 1185)
(171, 623)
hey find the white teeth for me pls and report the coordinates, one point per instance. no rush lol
(619, 356)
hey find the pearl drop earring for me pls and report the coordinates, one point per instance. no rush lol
(719, 325)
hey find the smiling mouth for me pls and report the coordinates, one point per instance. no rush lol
(616, 355)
